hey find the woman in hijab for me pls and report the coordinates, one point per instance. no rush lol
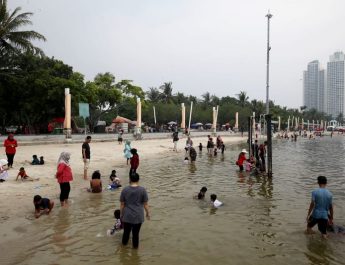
(3, 170)
(64, 176)
(127, 151)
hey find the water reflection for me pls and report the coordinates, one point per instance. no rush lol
(319, 251)
(128, 256)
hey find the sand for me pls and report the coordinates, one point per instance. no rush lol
(105, 156)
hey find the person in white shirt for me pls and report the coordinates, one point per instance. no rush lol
(214, 201)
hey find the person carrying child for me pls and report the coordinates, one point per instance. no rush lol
(241, 159)
(118, 223)
(42, 205)
(24, 176)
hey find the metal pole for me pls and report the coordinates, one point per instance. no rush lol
(268, 62)
(249, 135)
(269, 146)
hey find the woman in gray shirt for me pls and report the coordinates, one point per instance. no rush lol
(133, 202)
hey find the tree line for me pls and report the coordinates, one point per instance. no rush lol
(32, 89)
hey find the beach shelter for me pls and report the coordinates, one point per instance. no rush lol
(120, 119)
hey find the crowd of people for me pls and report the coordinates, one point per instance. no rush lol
(134, 198)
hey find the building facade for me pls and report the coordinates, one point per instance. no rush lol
(314, 94)
(335, 84)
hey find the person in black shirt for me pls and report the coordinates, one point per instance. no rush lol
(42, 204)
(86, 155)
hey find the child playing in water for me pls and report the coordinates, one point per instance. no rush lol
(23, 175)
(41, 160)
(115, 182)
(201, 194)
(222, 147)
(42, 204)
(214, 201)
(118, 224)
(95, 182)
(186, 160)
(200, 147)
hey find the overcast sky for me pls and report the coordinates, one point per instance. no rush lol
(199, 45)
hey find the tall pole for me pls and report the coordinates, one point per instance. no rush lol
(190, 116)
(154, 115)
(269, 16)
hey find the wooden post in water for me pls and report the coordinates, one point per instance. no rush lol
(269, 146)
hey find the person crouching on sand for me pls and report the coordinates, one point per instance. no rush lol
(42, 204)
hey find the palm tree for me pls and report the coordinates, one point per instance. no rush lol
(11, 38)
(243, 98)
(166, 92)
(153, 94)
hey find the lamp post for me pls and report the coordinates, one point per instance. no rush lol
(269, 16)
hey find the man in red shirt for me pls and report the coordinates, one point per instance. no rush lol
(10, 148)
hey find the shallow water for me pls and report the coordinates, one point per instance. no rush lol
(261, 222)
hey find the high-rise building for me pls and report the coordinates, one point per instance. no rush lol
(335, 84)
(314, 87)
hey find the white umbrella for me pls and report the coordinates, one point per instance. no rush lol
(171, 123)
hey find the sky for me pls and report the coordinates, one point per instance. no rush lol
(216, 46)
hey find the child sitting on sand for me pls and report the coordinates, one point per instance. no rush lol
(24, 176)
(95, 182)
(35, 160)
(118, 224)
(42, 204)
(214, 201)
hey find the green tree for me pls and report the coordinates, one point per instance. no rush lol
(166, 93)
(11, 38)
(242, 98)
(153, 94)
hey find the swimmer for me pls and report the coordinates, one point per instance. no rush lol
(214, 201)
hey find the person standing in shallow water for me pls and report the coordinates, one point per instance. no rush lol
(64, 177)
(86, 155)
(134, 200)
(134, 161)
(10, 145)
(321, 208)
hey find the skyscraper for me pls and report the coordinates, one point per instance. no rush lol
(335, 84)
(314, 87)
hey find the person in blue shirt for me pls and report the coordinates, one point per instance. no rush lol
(321, 208)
